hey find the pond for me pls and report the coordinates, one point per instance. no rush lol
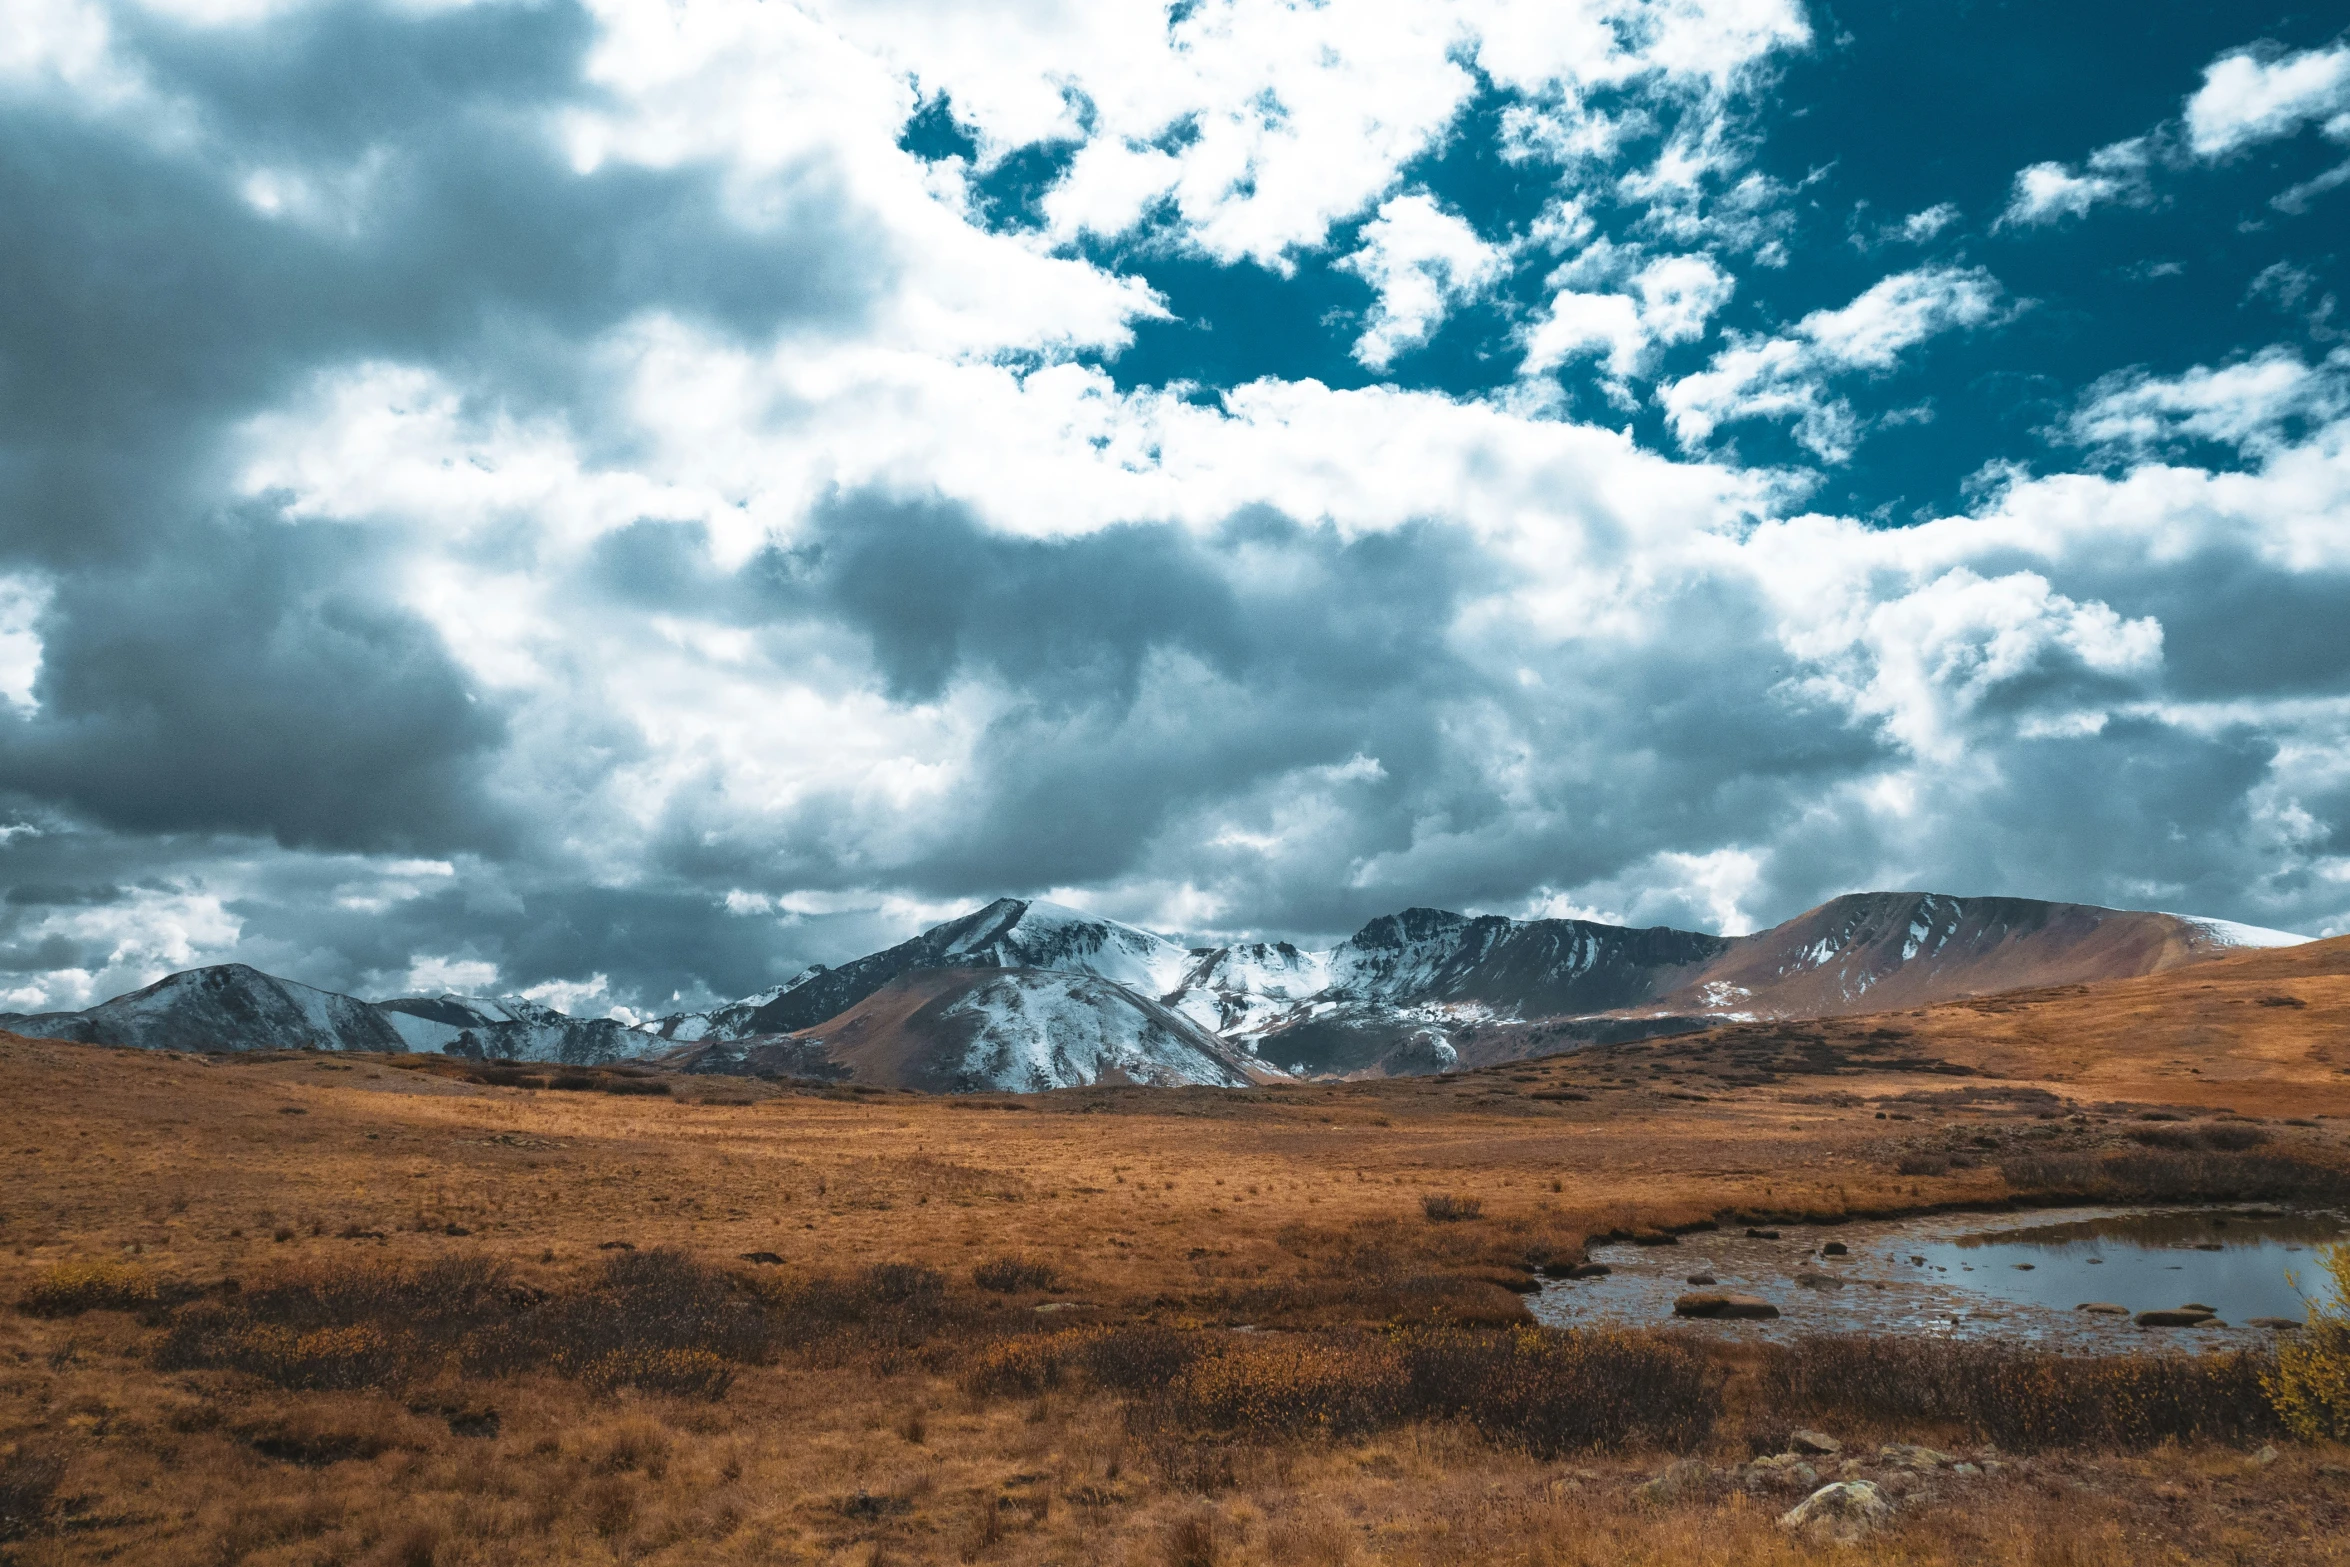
(2017, 1276)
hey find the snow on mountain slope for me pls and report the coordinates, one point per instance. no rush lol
(730, 1021)
(512, 1028)
(2227, 933)
(949, 1030)
(228, 1007)
(1248, 988)
(1008, 933)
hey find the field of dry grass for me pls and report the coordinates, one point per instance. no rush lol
(863, 1422)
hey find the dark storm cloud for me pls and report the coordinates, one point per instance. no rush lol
(205, 668)
(258, 684)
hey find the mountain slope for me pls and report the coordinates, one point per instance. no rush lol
(963, 1030)
(232, 1006)
(1008, 933)
(1873, 951)
(512, 1028)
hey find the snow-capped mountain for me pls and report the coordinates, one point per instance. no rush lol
(511, 1028)
(1022, 994)
(960, 1030)
(1008, 933)
(229, 1007)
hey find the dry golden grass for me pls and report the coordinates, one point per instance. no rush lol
(1292, 1208)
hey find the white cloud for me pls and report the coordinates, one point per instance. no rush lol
(1670, 300)
(431, 976)
(21, 601)
(1920, 227)
(2243, 404)
(1424, 262)
(2249, 97)
(1786, 377)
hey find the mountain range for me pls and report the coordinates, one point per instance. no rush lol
(1025, 995)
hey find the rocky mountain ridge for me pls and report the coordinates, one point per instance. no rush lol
(1027, 994)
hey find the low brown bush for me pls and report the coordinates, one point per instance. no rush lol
(71, 1288)
(2166, 1175)
(2023, 1399)
(1013, 1275)
(656, 1320)
(1444, 1208)
(28, 1492)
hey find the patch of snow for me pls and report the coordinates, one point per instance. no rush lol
(2227, 933)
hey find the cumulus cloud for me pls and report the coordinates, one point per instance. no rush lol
(1788, 376)
(557, 497)
(1424, 261)
(2259, 95)
(2249, 96)
(1670, 300)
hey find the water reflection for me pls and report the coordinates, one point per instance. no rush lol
(1964, 1276)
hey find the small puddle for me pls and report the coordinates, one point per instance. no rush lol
(1977, 1276)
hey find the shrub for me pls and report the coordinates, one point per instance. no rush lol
(1923, 1164)
(2024, 1399)
(28, 1487)
(656, 1320)
(2170, 1176)
(71, 1288)
(1012, 1275)
(1447, 1209)
(1552, 1391)
(1285, 1386)
(2311, 1384)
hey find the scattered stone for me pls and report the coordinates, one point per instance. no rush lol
(1814, 1442)
(2196, 1305)
(1842, 1510)
(2103, 1308)
(1702, 1278)
(2278, 1324)
(1656, 1238)
(1965, 1471)
(2181, 1318)
(1051, 1306)
(1762, 1235)
(1835, 1249)
(1725, 1307)
(1907, 1455)
(2266, 1456)
(1898, 1483)
(1684, 1481)
(1819, 1281)
(2025, 1267)
(1589, 1270)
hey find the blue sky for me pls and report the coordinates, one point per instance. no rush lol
(622, 501)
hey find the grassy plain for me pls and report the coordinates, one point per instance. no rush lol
(1295, 1212)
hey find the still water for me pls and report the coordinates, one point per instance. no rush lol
(2010, 1276)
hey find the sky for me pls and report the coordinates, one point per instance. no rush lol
(619, 500)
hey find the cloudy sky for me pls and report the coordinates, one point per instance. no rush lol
(625, 498)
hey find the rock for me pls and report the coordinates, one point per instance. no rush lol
(2103, 1308)
(1841, 1510)
(1835, 1249)
(1899, 1482)
(1656, 1238)
(1702, 1278)
(1762, 1235)
(765, 1259)
(2196, 1305)
(2278, 1324)
(1725, 1307)
(1684, 1481)
(1819, 1281)
(1588, 1270)
(1814, 1442)
(1906, 1455)
(1965, 1471)
(2025, 1267)
(2182, 1318)
(1051, 1306)
(2266, 1456)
